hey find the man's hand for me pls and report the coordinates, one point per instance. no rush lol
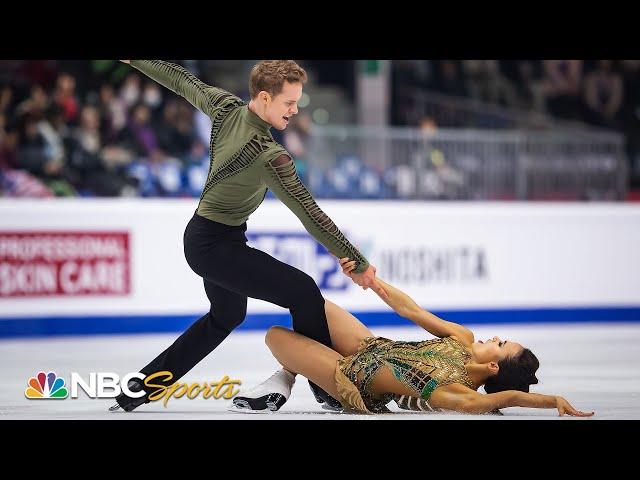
(347, 266)
(365, 279)
(564, 407)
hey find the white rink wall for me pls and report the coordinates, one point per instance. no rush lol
(467, 258)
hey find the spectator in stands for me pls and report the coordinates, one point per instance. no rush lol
(13, 182)
(167, 173)
(39, 72)
(152, 97)
(8, 142)
(448, 79)
(139, 135)
(437, 177)
(113, 113)
(87, 158)
(36, 103)
(296, 141)
(428, 126)
(65, 97)
(603, 90)
(37, 157)
(202, 126)
(54, 137)
(6, 99)
(166, 128)
(87, 141)
(157, 175)
(185, 129)
(562, 87)
(175, 133)
(528, 84)
(485, 82)
(130, 90)
(196, 169)
(54, 116)
(32, 155)
(630, 114)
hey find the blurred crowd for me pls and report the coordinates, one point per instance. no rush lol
(601, 93)
(604, 93)
(100, 128)
(97, 129)
(112, 138)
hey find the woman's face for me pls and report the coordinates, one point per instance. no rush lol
(495, 350)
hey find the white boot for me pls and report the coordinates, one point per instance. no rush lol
(270, 394)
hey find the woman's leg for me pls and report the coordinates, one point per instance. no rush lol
(300, 354)
(346, 330)
(316, 362)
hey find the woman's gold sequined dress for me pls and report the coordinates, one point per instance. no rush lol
(421, 366)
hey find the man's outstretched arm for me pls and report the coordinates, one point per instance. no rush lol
(281, 177)
(179, 80)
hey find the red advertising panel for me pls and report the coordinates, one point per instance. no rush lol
(34, 264)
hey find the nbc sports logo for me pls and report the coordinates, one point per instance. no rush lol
(45, 386)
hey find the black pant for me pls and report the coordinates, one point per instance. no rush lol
(232, 271)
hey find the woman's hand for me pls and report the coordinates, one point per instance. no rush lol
(565, 407)
(366, 279)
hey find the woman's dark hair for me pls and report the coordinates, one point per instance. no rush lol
(516, 373)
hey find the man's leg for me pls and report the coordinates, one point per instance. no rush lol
(259, 275)
(235, 267)
(253, 273)
(228, 310)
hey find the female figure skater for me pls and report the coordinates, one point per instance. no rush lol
(365, 372)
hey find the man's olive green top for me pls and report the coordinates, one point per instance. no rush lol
(246, 161)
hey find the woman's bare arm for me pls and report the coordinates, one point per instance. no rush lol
(462, 399)
(406, 307)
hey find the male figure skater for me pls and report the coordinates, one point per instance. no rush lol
(245, 162)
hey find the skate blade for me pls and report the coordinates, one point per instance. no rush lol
(271, 402)
(243, 407)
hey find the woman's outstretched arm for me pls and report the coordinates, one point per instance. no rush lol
(463, 399)
(406, 307)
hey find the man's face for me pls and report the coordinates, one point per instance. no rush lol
(280, 109)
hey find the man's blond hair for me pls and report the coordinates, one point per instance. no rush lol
(270, 75)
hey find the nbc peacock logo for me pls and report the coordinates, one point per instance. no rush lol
(46, 386)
